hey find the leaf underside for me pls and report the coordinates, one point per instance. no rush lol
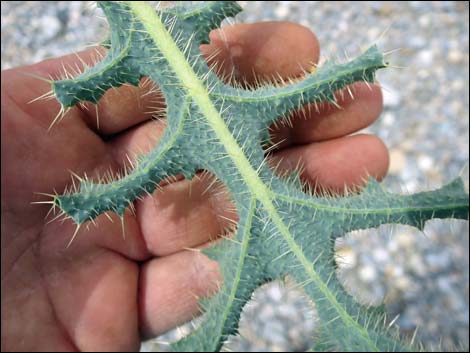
(221, 128)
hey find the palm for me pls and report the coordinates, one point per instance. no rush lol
(66, 289)
(105, 291)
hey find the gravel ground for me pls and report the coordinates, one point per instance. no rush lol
(422, 276)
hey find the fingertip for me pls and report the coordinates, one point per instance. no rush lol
(367, 96)
(189, 274)
(382, 157)
(263, 50)
(358, 106)
(332, 165)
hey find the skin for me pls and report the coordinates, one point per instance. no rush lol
(105, 292)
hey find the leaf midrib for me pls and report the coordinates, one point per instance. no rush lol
(385, 211)
(196, 89)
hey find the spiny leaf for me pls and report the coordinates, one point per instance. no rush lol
(221, 128)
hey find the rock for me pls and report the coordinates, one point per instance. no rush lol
(266, 312)
(275, 292)
(455, 56)
(52, 27)
(425, 162)
(388, 119)
(282, 9)
(286, 311)
(397, 161)
(346, 257)
(391, 97)
(417, 265)
(380, 255)
(437, 261)
(405, 240)
(406, 323)
(274, 332)
(367, 273)
(425, 58)
(424, 21)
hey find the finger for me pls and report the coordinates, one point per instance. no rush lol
(107, 231)
(277, 54)
(69, 65)
(70, 145)
(337, 163)
(181, 213)
(261, 51)
(140, 140)
(37, 78)
(127, 106)
(186, 214)
(360, 105)
(124, 107)
(169, 288)
(86, 294)
(265, 48)
(118, 109)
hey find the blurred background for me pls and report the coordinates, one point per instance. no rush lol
(421, 276)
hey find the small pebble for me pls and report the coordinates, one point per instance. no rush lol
(397, 161)
(391, 97)
(367, 273)
(425, 162)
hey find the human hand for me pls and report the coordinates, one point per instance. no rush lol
(105, 292)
